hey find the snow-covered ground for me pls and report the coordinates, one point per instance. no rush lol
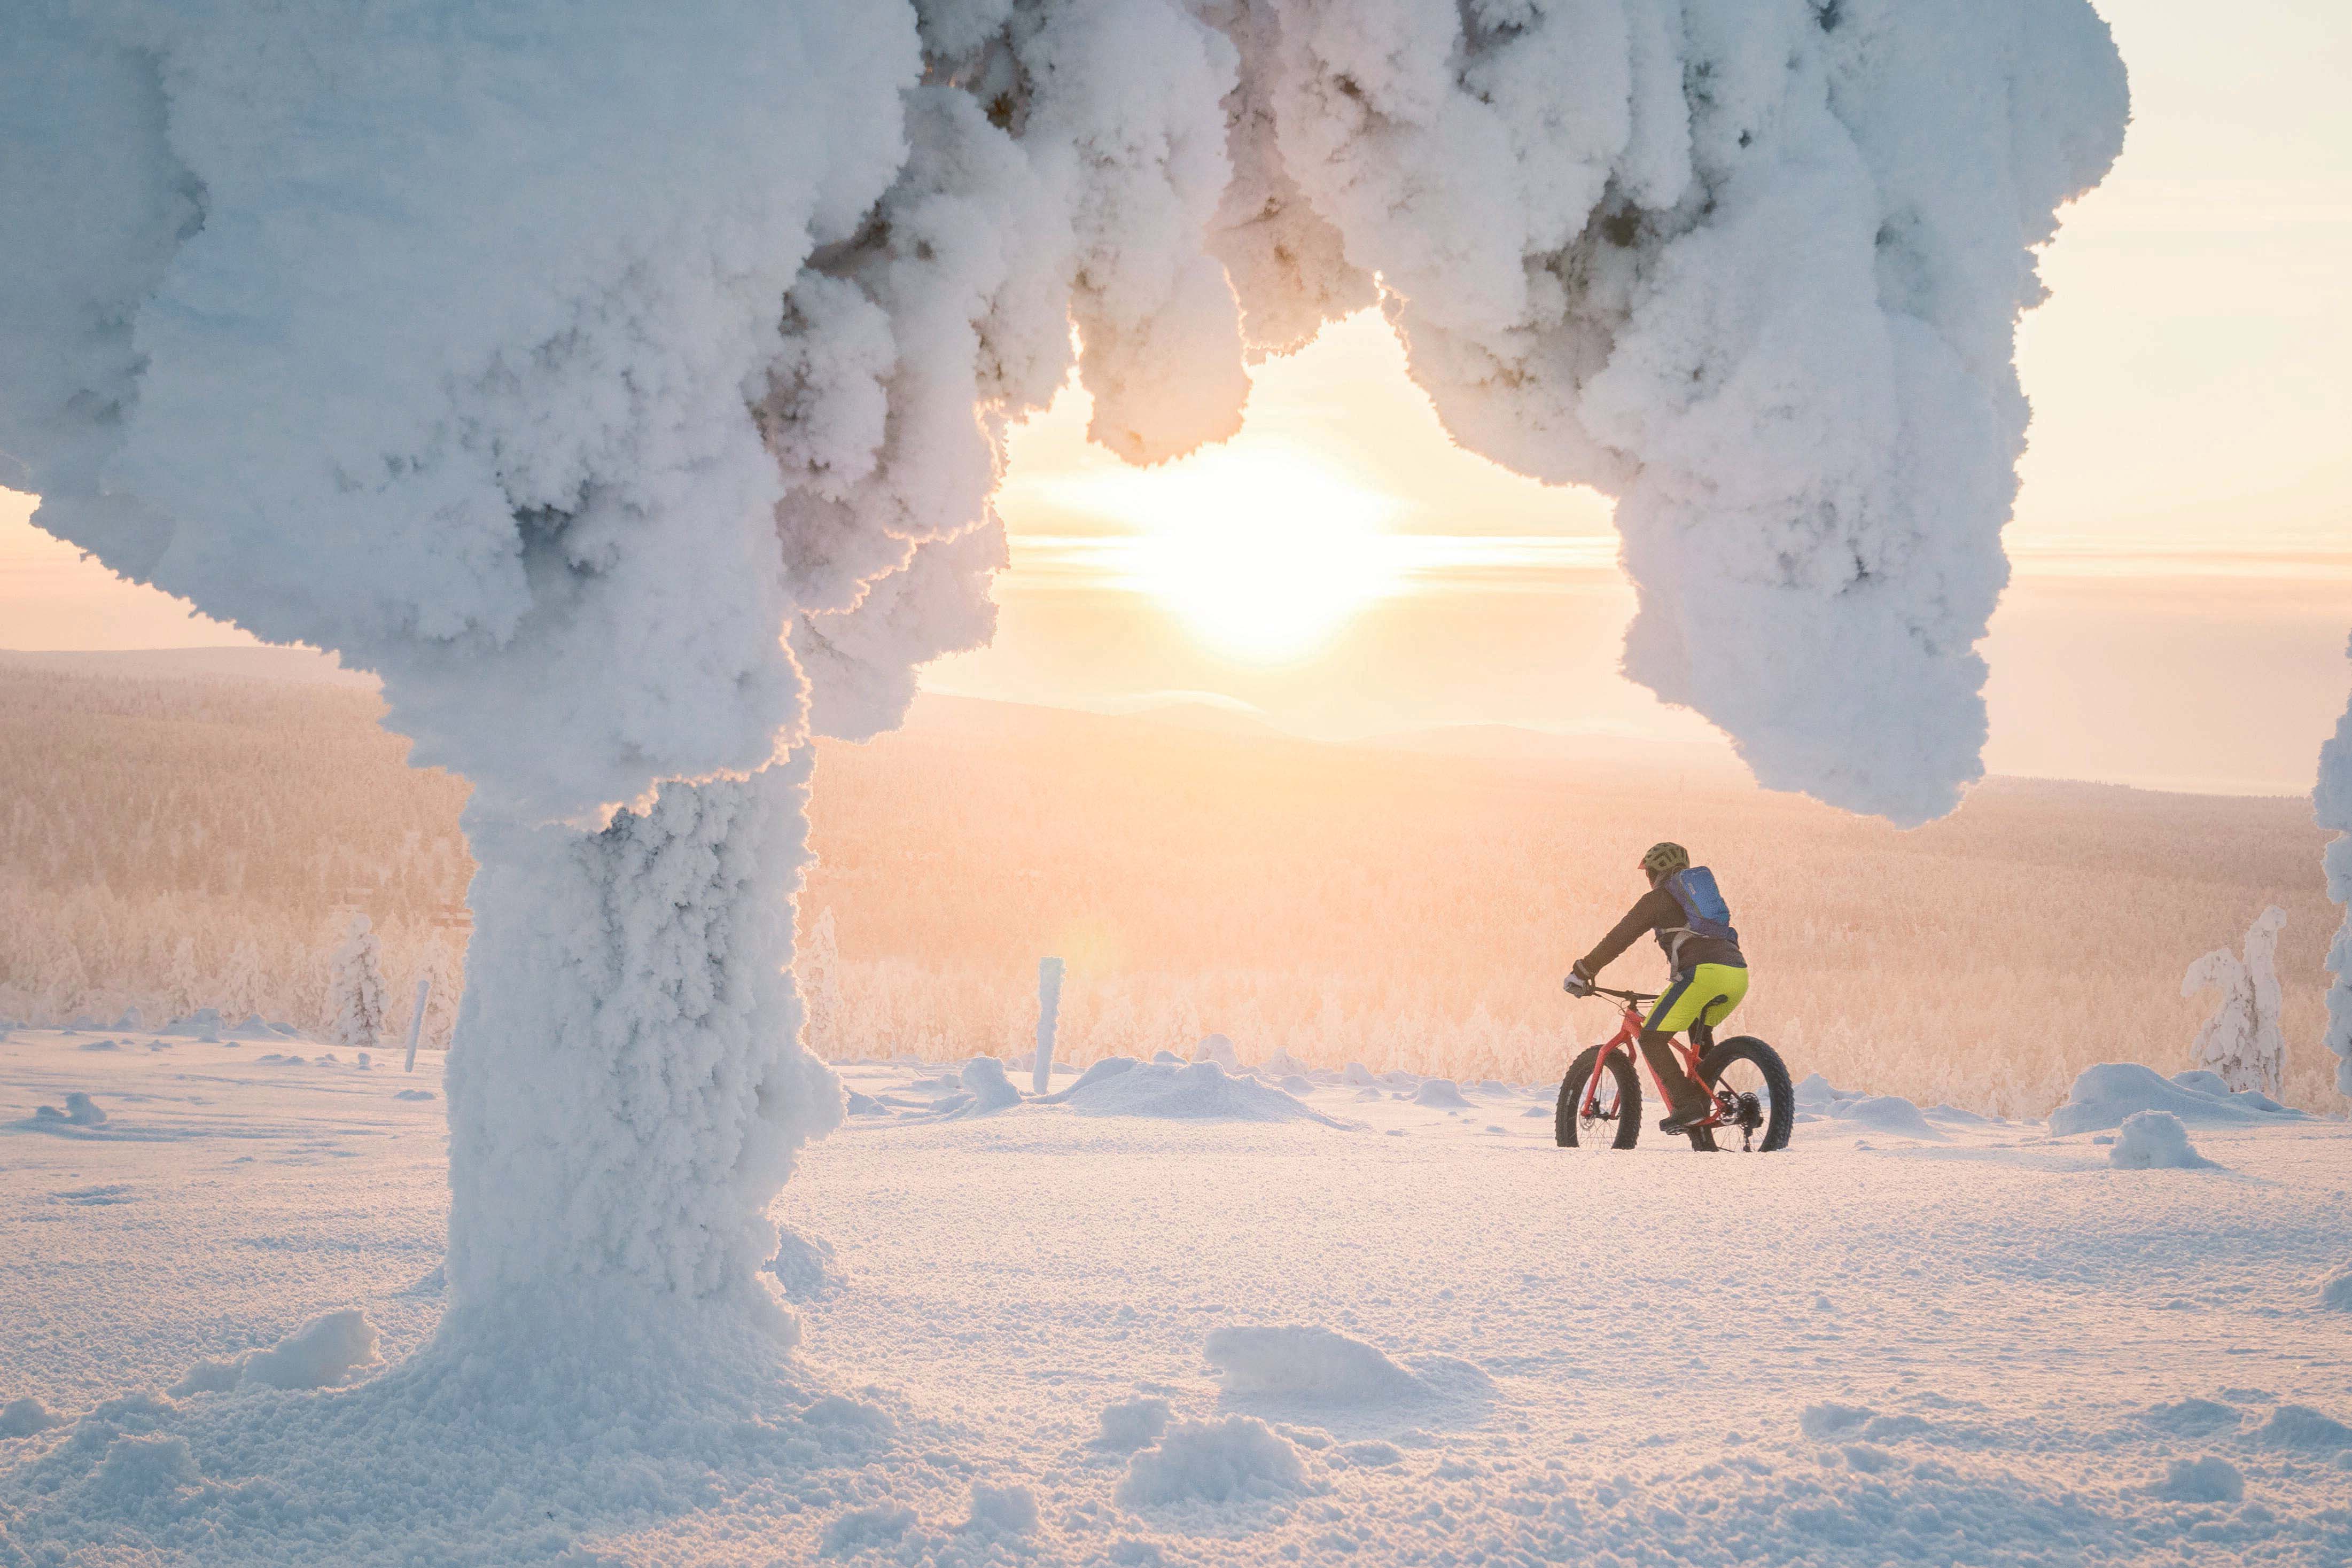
(1179, 1316)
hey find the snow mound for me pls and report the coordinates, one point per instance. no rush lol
(2192, 1416)
(1292, 1084)
(804, 1265)
(1108, 1067)
(2336, 1293)
(1300, 1362)
(23, 1417)
(414, 1094)
(1323, 1366)
(138, 1467)
(864, 1527)
(2103, 1095)
(1230, 1460)
(81, 1111)
(1356, 1075)
(320, 1353)
(2155, 1140)
(2206, 1480)
(1216, 1047)
(1441, 1092)
(1009, 1509)
(1200, 1090)
(2302, 1427)
(1132, 1424)
(1886, 1114)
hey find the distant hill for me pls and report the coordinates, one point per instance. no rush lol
(305, 665)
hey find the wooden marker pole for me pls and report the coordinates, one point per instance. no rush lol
(416, 1021)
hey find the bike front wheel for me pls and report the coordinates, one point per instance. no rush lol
(1619, 1101)
(1752, 1073)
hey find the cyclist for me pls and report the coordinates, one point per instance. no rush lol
(1687, 911)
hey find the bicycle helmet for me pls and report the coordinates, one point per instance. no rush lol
(1665, 859)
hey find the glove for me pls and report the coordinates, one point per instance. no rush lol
(1578, 984)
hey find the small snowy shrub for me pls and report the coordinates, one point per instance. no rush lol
(2153, 1140)
(356, 987)
(1211, 1461)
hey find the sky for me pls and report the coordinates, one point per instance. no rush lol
(2183, 537)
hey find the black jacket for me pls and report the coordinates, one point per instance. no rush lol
(1657, 912)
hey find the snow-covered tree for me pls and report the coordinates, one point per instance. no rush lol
(356, 987)
(2242, 1041)
(818, 969)
(182, 984)
(2332, 801)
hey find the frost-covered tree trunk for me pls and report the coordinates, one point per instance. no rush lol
(628, 1088)
(354, 1003)
(2332, 803)
(2242, 1043)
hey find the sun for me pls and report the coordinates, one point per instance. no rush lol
(1265, 551)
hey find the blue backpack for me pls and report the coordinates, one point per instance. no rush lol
(1704, 913)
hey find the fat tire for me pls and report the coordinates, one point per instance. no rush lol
(1748, 1047)
(1572, 1095)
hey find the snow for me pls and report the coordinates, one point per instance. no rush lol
(1037, 1300)
(1199, 1091)
(2204, 1479)
(2105, 1095)
(1131, 1424)
(320, 1353)
(2155, 1140)
(1304, 1363)
(1441, 1092)
(1211, 1461)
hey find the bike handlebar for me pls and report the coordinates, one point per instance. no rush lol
(1632, 998)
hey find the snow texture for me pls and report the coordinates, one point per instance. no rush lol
(2155, 1140)
(629, 396)
(2242, 1043)
(2332, 802)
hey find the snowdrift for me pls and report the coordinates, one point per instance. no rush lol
(1199, 1091)
(2104, 1096)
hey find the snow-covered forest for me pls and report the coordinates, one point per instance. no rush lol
(1399, 908)
(174, 845)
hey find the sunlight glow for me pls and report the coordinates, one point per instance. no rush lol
(1265, 551)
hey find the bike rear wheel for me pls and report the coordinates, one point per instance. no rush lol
(1754, 1074)
(1619, 1100)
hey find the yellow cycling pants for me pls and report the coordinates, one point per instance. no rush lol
(1707, 995)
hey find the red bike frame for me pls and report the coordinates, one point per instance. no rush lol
(1628, 1029)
